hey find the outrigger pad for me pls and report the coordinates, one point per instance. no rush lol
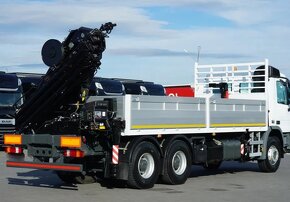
(52, 52)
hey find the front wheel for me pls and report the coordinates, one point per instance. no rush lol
(273, 156)
(144, 167)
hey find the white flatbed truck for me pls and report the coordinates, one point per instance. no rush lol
(239, 112)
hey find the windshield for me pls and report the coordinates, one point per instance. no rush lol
(155, 89)
(112, 87)
(9, 98)
(132, 88)
(8, 81)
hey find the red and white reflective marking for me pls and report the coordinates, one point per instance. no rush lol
(67, 153)
(242, 149)
(115, 154)
(18, 150)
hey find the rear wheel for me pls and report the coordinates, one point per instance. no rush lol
(144, 167)
(177, 166)
(273, 156)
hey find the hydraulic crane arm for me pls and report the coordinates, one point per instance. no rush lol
(73, 64)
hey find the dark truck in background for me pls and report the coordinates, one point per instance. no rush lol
(139, 87)
(15, 88)
(119, 86)
(106, 86)
(10, 95)
(29, 83)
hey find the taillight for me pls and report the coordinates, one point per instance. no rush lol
(13, 150)
(73, 153)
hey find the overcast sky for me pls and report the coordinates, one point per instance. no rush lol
(151, 35)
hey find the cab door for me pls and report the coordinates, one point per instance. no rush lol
(279, 99)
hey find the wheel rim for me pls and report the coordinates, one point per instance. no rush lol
(273, 155)
(179, 163)
(146, 165)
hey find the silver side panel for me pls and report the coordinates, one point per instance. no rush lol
(234, 112)
(155, 112)
(151, 115)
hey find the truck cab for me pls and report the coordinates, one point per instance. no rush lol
(105, 87)
(138, 87)
(279, 102)
(29, 83)
(10, 97)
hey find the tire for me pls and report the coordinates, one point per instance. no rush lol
(273, 156)
(75, 178)
(144, 167)
(177, 166)
(213, 165)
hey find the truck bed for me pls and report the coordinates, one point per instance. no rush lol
(152, 115)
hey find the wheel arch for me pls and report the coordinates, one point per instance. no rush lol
(273, 131)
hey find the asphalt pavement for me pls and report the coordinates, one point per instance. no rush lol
(233, 182)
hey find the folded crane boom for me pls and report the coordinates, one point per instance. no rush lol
(73, 64)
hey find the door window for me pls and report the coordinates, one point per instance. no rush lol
(281, 93)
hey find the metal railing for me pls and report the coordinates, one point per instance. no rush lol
(240, 77)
